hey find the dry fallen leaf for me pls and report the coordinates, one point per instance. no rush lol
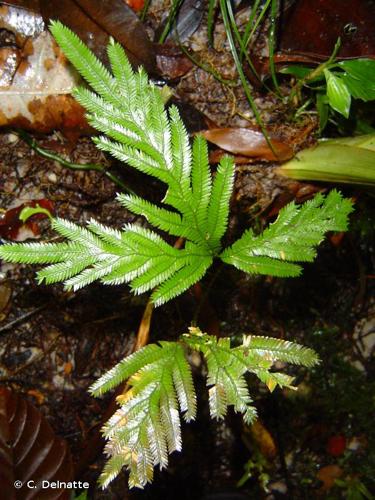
(35, 86)
(29, 449)
(248, 142)
(264, 439)
(328, 476)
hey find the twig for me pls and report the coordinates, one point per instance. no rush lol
(22, 318)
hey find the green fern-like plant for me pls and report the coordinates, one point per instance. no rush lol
(147, 426)
(129, 111)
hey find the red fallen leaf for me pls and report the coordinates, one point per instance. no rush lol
(336, 445)
(30, 451)
(171, 62)
(312, 27)
(136, 5)
(248, 142)
(12, 228)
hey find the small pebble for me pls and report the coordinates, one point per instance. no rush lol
(12, 138)
(52, 177)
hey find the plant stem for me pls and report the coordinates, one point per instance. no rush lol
(245, 85)
(315, 73)
(171, 19)
(73, 166)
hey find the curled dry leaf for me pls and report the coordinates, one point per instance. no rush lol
(30, 450)
(248, 142)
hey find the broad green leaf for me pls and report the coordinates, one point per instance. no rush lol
(334, 162)
(360, 69)
(338, 94)
(360, 89)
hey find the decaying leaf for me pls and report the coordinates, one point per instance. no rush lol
(30, 450)
(312, 27)
(171, 62)
(36, 82)
(21, 20)
(94, 21)
(248, 142)
(35, 79)
(12, 226)
(263, 438)
(5, 299)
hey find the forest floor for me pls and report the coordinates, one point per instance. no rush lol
(55, 344)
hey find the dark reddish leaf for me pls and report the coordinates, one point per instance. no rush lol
(248, 142)
(95, 20)
(171, 62)
(336, 445)
(29, 450)
(12, 228)
(5, 296)
(312, 27)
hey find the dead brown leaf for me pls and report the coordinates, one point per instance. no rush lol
(248, 142)
(328, 476)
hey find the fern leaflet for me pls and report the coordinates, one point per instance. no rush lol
(146, 427)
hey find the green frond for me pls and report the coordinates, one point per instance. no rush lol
(272, 380)
(166, 220)
(63, 271)
(182, 279)
(40, 253)
(123, 72)
(227, 366)
(261, 265)
(293, 237)
(201, 181)
(125, 368)
(85, 62)
(133, 157)
(147, 428)
(181, 150)
(272, 349)
(183, 382)
(218, 209)
(225, 373)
